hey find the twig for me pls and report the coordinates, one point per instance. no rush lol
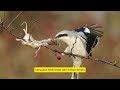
(13, 20)
(104, 61)
(92, 46)
(9, 32)
(90, 58)
(6, 28)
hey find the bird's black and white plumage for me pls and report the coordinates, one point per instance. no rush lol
(91, 35)
(80, 41)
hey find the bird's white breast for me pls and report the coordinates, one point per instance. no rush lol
(79, 47)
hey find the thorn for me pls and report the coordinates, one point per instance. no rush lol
(104, 58)
(36, 53)
(114, 63)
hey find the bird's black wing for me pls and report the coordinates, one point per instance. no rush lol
(92, 37)
(93, 29)
(91, 42)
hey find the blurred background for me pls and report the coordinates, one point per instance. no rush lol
(18, 61)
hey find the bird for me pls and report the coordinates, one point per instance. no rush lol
(80, 41)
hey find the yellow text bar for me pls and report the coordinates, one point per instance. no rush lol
(59, 69)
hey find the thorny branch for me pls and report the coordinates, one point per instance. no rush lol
(31, 42)
(90, 58)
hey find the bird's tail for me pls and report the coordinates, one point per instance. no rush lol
(93, 28)
(77, 62)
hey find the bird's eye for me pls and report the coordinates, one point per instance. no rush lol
(61, 35)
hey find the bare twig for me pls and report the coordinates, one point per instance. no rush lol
(9, 31)
(14, 19)
(90, 58)
(92, 47)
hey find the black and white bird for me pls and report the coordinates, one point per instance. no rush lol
(80, 41)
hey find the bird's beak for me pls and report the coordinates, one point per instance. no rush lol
(56, 37)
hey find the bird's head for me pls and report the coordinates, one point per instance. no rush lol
(63, 35)
(67, 36)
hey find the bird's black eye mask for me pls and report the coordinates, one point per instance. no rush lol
(61, 35)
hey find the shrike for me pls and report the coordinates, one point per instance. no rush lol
(80, 41)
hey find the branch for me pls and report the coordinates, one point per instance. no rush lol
(31, 42)
(89, 58)
(6, 28)
(14, 19)
(28, 40)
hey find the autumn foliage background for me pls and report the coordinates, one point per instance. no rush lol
(17, 61)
